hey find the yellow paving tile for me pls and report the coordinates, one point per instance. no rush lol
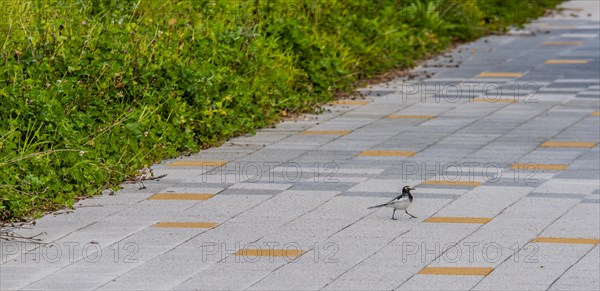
(197, 164)
(384, 153)
(325, 132)
(563, 43)
(473, 271)
(567, 240)
(410, 116)
(596, 113)
(475, 220)
(531, 167)
(349, 102)
(269, 253)
(172, 224)
(495, 100)
(500, 75)
(568, 144)
(180, 196)
(566, 62)
(453, 183)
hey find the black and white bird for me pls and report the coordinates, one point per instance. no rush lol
(401, 202)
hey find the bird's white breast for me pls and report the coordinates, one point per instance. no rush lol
(401, 204)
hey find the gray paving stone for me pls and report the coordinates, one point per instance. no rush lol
(322, 186)
(540, 274)
(69, 282)
(524, 182)
(580, 174)
(583, 273)
(248, 192)
(555, 195)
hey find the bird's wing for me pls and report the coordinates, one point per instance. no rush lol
(397, 198)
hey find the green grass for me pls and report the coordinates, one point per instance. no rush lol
(92, 91)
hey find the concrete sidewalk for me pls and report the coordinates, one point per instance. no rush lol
(503, 151)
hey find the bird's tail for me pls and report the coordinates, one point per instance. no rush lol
(377, 206)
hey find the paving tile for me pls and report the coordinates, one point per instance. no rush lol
(500, 75)
(556, 195)
(568, 186)
(566, 240)
(180, 196)
(261, 186)
(570, 43)
(70, 282)
(410, 116)
(569, 144)
(579, 174)
(535, 167)
(428, 282)
(582, 275)
(325, 132)
(484, 201)
(566, 62)
(288, 253)
(550, 262)
(579, 35)
(334, 186)
(456, 271)
(476, 220)
(192, 224)
(386, 153)
(453, 183)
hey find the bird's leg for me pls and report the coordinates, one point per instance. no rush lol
(393, 213)
(411, 216)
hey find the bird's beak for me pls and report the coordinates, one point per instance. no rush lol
(412, 188)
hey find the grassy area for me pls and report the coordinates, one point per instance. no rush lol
(92, 91)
